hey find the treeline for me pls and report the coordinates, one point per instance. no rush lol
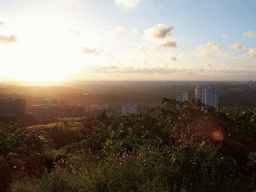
(187, 148)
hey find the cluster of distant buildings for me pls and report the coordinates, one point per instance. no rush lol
(207, 94)
(12, 107)
(251, 85)
(47, 111)
(17, 107)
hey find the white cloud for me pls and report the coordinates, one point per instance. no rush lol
(204, 54)
(251, 53)
(224, 35)
(120, 28)
(87, 50)
(222, 54)
(159, 33)
(127, 3)
(173, 58)
(210, 46)
(249, 34)
(167, 45)
(162, 35)
(108, 35)
(74, 31)
(205, 50)
(207, 67)
(135, 30)
(142, 49)
(7, 40)
(138, 70)
(237, 46)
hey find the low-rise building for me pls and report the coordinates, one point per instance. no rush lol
(12, 107)
(129, 109)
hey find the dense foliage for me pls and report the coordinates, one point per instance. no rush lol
(185, 147)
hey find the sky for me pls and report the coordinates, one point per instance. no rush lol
(166, 40)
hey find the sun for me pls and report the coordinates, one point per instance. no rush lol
(45, 52)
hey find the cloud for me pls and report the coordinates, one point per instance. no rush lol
(173, 58)
(224, 35)
(131, 69)
(7, 40)
(159, 33)
(74, 31)
(204, 54)
(222, 54)
(207, 67)
(87, 50)
(210, 46)
(205, 50)
(142, 49)
(249, 34)
(127, 3)
(135, 30)
(162, 35)
(120, 28)
(108, 35)
(167, 45)
(251, 53)
(237, 46)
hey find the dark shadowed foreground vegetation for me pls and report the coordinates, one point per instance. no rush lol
(193, 148)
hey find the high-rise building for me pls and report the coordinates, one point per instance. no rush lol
(208, 95)
(250, 84)
(12, 107)
(129, 109)
(181, 96)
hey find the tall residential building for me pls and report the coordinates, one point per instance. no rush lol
(129, 109)
(12, 107)
(181, 96)
(208, 95)
(250, 83)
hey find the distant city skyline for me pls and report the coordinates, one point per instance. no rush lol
(122, 40)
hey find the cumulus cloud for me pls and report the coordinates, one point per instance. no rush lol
(237, 46)
(173, 58)
(7, 40)
(120, 28)
(207, 68)
(167, 45)
(87, 50)
(127, 3)
(224, 35)
(159, 33)
(210, 46)
(204, 53)
(162, 35)
(74, 31)
(222, 54)
(135, 30)
(249, 34)
(251, 53)
(142, 49)
(205, 50)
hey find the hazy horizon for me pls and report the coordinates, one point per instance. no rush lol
(50, 42)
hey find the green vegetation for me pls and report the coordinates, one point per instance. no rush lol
(190, 148)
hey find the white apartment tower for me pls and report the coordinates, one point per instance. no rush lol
(129, 109)
(181, 96)
(208, 95)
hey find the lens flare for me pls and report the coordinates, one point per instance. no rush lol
(218, 135)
